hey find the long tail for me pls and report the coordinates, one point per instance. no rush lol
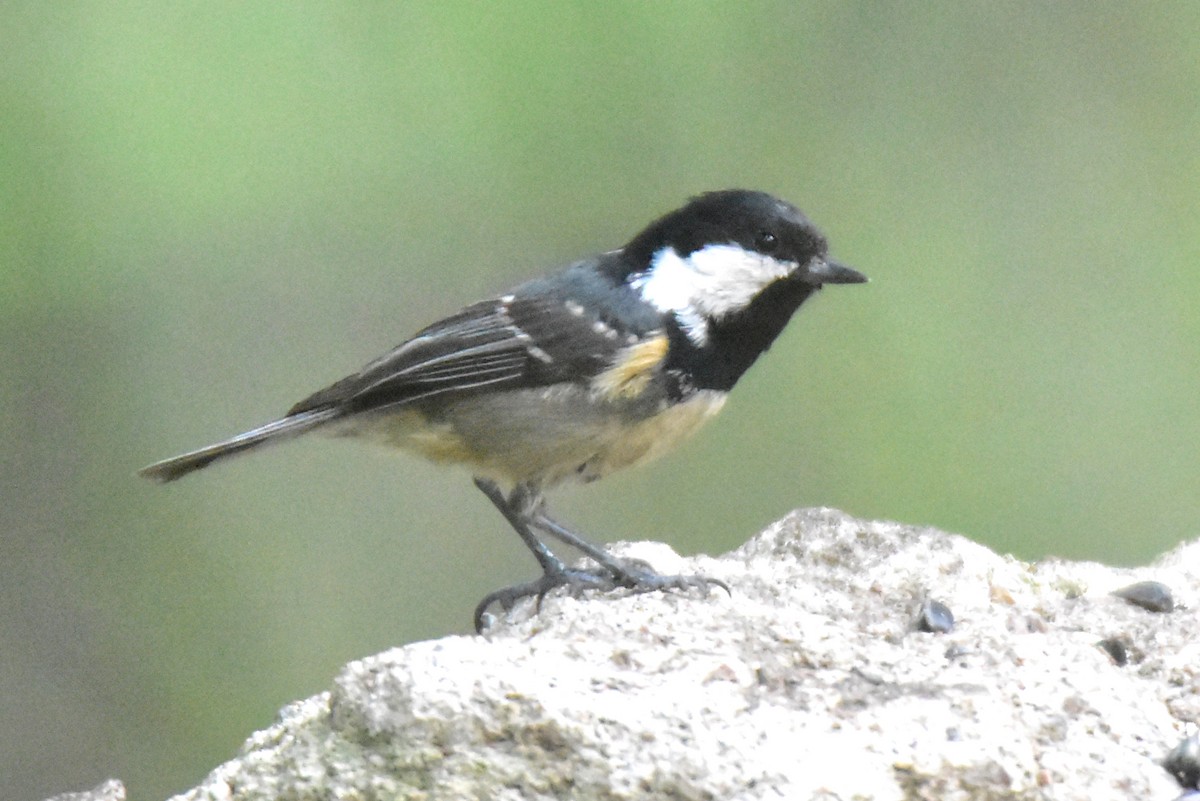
(290, 426)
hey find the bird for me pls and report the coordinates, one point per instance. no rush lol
(602, 365)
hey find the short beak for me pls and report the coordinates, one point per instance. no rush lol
(828, 271)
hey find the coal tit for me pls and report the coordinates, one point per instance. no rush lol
(569, 377)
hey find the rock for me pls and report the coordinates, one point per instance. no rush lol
(808, 682)
(111, 790)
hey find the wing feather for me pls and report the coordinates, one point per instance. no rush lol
(508, 342)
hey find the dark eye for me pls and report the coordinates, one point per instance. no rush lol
(766, 242)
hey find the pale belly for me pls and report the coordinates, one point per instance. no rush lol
(543, 436)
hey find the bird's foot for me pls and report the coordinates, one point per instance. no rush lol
(633, 575)
(576, 580)
(640, 577)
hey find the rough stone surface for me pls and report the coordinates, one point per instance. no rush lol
(809, 682)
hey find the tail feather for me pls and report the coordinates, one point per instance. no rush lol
(293, 425)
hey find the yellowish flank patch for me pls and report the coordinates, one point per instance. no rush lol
(632, 369)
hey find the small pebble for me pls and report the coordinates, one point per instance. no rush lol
(1116, 650)
(1184, 763)
(1153, 596)
(957, 651)
(935, 617)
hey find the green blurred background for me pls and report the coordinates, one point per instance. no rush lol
(210, 210)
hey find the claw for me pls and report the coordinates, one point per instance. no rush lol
(654, 581)
(636, 577)
(507, 598)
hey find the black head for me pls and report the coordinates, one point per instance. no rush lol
(754, 221)
(716, 254)
(729, 269)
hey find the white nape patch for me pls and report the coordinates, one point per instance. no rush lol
(710, 283)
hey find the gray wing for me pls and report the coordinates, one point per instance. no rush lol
(509, 342)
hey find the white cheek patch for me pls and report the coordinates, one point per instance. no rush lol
(709, 284)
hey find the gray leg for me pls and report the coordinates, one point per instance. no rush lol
(524, 510)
